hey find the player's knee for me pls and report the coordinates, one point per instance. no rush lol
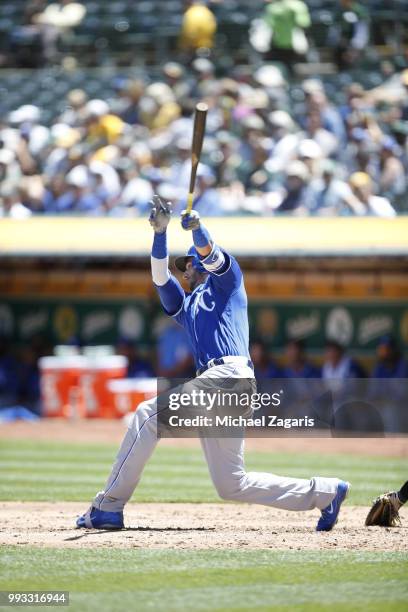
(231, 488)
(143, 408)
(143, 414)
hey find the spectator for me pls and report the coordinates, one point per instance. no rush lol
(198, 27)
(8, 375)
(225, 159)
(264, 366)
(136, 192)
(182, 126)
(56, 198)
(284, 140)
(102, 127)
(338, 365)
(310, 153)
(392, 91)
(207, 200)
(334, 196)
(26, 41)
(29, 394)
(163, 109)
(361, 186)
(267, 373)
(392, 180)
(76, 111)
(204, 72)
(345, 406)
(253, 173)
(349, 34)
(296, 194)
(355, 101)
(10, 170)
(315, 132)
(297, 365)
(271, 79)
(390, 362)
(137, 366)
(387, 387)
(303, 387)
(316, 101)
(11, 205)
(357, 155)
(181, 167)
(129, 96)
(174, 356)
(252, 127)
(65, 143)
(176, 78)
(404, 105)
(81, 196)
(287, 20)
(55, 21)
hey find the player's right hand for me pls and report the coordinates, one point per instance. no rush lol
(190, 220)
(160, 214)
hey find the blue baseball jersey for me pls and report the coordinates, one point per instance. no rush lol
(215, 314)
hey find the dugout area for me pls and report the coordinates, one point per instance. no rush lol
(306, 278)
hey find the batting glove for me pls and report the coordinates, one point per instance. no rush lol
(190, 220)
(160, 214)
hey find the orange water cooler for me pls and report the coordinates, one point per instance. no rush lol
(60, 385)
(100, 371)
(130, 392)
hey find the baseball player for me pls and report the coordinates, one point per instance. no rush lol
(384, 510)
(214, 315)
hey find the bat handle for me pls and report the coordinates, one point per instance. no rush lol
(189, 207)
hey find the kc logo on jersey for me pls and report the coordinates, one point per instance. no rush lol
(204, 303)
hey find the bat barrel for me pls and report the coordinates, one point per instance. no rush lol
(196, 147)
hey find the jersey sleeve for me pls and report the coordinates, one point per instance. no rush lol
(172, 298)
(223, 269)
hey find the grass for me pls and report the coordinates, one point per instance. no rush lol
(211, 580)
(35, 471)
(109, 579)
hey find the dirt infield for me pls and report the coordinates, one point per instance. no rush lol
(105, 431)
(196, 526)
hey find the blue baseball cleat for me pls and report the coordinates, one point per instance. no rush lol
(330, 514)
(99, 519)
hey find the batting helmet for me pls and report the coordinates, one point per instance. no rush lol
(181, 262)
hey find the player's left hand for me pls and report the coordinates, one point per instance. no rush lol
(190, 220)
(160, 214)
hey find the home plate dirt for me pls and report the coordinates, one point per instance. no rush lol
(196, 526)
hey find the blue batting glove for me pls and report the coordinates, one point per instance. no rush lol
(190, 220)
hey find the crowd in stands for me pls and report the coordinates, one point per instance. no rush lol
(262, 155)
(274, 144)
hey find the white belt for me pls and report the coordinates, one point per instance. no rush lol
(234, 359)
(237, 359)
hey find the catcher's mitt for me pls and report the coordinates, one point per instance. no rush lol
(384, 511)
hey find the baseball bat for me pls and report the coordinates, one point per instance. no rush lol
(197, 144)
